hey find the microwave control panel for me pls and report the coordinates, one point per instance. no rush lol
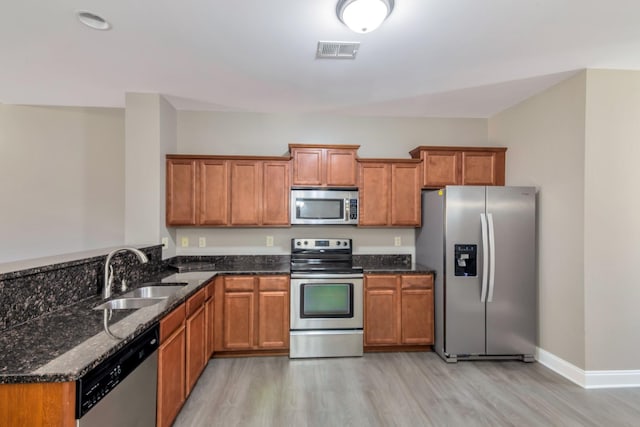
(353, 208)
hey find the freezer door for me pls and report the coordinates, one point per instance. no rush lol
(511, 302)
(464, 310)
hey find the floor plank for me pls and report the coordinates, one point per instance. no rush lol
(397, 389)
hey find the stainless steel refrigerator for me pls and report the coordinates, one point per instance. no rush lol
(481, 241)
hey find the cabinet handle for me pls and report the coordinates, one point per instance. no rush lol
(485, 258)
(492, 258)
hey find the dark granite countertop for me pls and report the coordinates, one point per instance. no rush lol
(398, 269)
(64, 345)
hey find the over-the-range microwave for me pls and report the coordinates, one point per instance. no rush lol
(324, 206)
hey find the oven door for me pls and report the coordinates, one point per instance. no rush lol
(322, 302)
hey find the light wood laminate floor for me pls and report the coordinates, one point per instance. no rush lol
(398, 389)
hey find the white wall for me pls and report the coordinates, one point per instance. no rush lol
(150, 135)
(612, 220)
(270, 134)
(545, 140)
(61, 180)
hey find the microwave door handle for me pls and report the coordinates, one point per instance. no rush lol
(347, 209)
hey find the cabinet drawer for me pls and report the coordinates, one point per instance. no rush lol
(196, 301)
(417, 282)
(171, 322)
(274, 283)
(382, 281)
(239, 284)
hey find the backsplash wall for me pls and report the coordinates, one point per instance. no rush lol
(252, 241)
(28, 294)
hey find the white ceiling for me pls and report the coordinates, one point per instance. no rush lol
(447, 58)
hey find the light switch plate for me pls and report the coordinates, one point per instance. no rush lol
(184, 242)
(397, 241)
(202, 242)
(165, 243)
(269, 240)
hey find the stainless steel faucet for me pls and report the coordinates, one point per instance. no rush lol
(108, 271)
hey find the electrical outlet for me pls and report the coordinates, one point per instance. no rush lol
(202, 242)
(397, 241)
(269, 240)
(184, 242)
(165, 243)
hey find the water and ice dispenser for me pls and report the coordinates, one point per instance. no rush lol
(465, 260)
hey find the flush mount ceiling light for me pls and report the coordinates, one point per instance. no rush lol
(363, 16)
(92, 20)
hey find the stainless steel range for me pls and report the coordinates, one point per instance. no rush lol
(326, 299)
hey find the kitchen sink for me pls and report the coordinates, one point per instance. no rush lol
(153, 292)
(129, 303)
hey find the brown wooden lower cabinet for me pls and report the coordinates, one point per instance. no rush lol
(210, 309)
(196, 347)
(253, 314)
(171, 377)
(38, 404)
(398, 310)
(182, 355)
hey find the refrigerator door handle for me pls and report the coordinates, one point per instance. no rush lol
(492, 257)
(485, 258)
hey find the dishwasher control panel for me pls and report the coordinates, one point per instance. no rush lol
(93, 386)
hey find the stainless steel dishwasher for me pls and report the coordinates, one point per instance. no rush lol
(121, 391)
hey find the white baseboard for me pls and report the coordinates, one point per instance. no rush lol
(588, 379)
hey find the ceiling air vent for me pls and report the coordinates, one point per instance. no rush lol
(337, 50)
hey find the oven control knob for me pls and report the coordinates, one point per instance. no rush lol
(298, 243)
(306, 243)
(338, 243)
(345, 243)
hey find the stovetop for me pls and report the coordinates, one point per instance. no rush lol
(331, 256)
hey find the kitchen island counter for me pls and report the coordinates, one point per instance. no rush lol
(65, 344)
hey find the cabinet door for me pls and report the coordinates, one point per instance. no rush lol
(417, 317)
(341, 168)
(196, 347)
(482, 168)
(210, 325)
(275, 193)
(181, 192)
(238, 320)
(273, 321)
(374, 194)
(441, 168)
(214, 192)
(307, 166)
(381, 317)
(417, 309)
(406, 204)
(171, 377)
(246, 192)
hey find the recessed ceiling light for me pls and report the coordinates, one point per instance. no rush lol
(92, 20)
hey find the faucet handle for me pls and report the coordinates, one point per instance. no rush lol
(123, 285)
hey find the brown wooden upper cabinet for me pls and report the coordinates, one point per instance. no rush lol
(324, 165)
(228, 191)
(461, 165)
(390, 192)
(182, 192)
